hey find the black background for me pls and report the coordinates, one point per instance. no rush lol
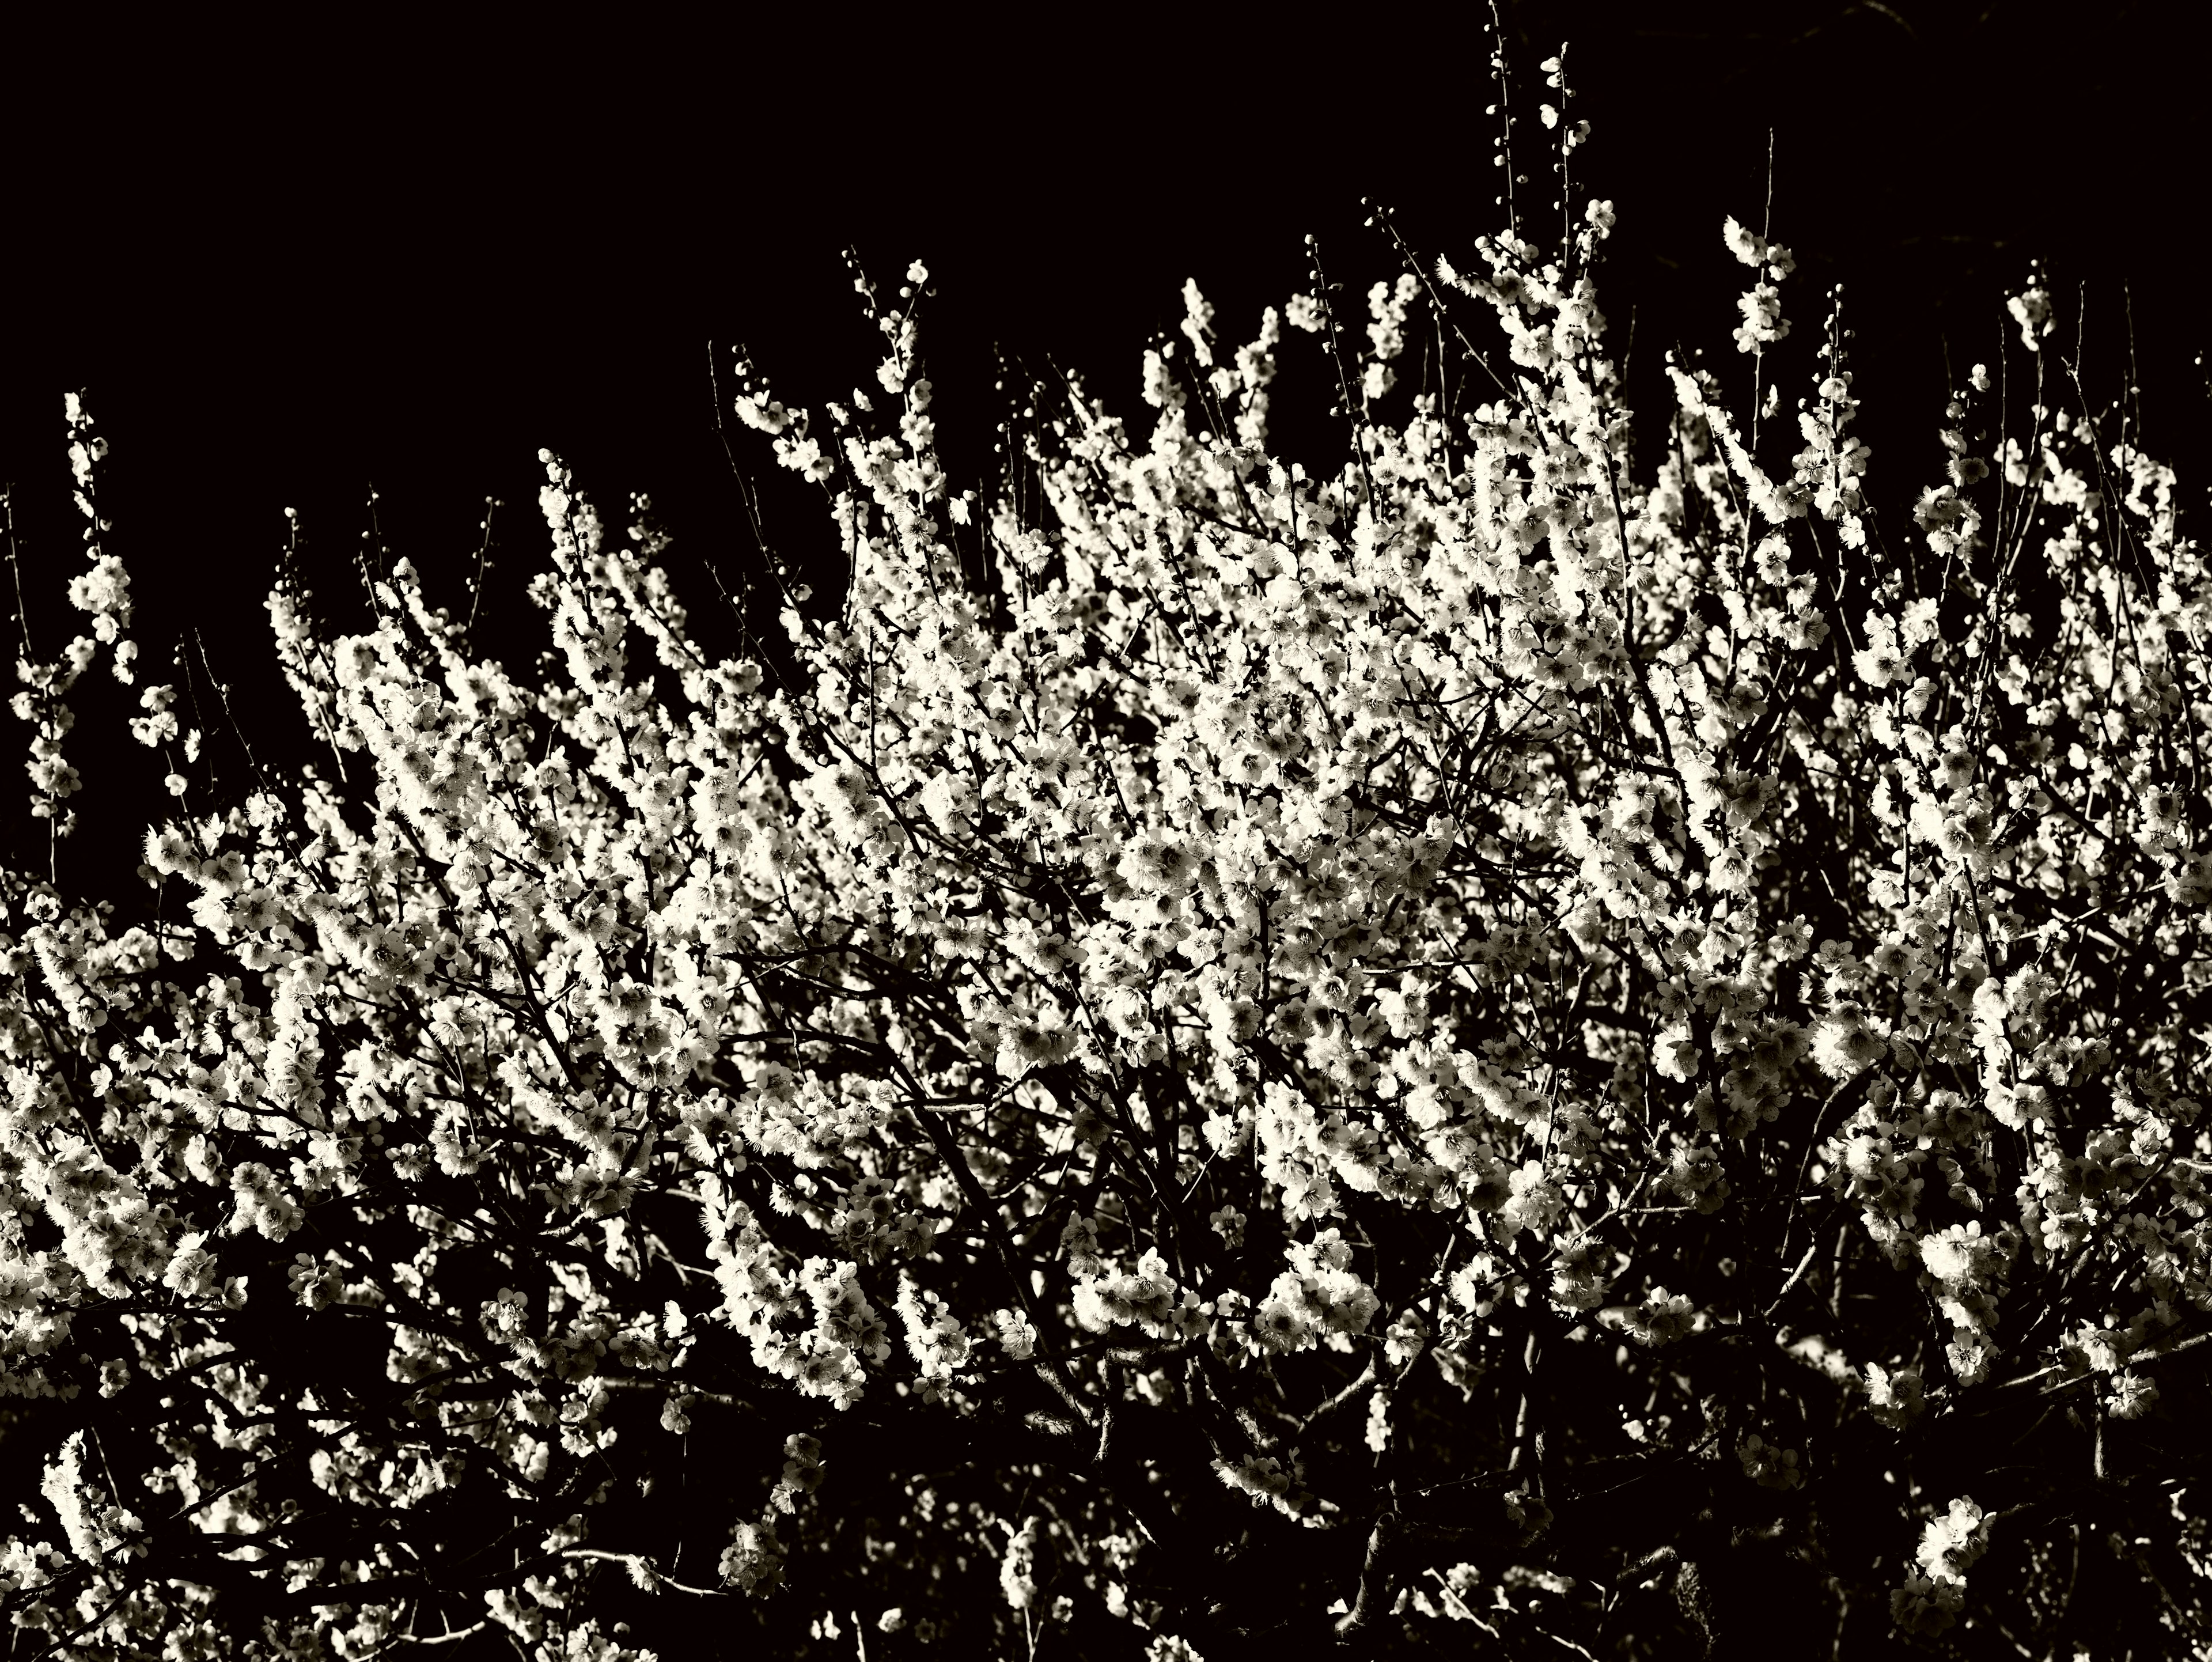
(388, 254)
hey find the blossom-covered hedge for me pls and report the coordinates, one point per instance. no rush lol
(1598, 1045)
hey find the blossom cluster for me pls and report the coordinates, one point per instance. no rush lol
(1183, 949)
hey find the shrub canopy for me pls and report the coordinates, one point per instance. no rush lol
(1211, 1057)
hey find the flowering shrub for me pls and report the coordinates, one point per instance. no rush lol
(1219, 1056)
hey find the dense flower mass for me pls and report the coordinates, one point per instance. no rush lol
(1214, 1056)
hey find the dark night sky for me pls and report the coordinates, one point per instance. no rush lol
(286, 273)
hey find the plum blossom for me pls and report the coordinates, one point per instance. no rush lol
(1186, 969)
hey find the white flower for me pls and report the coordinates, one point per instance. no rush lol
(95, 1526)
(1894, 1398)
(1018, 1569)
(1749, 247)
(1953, 1541)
